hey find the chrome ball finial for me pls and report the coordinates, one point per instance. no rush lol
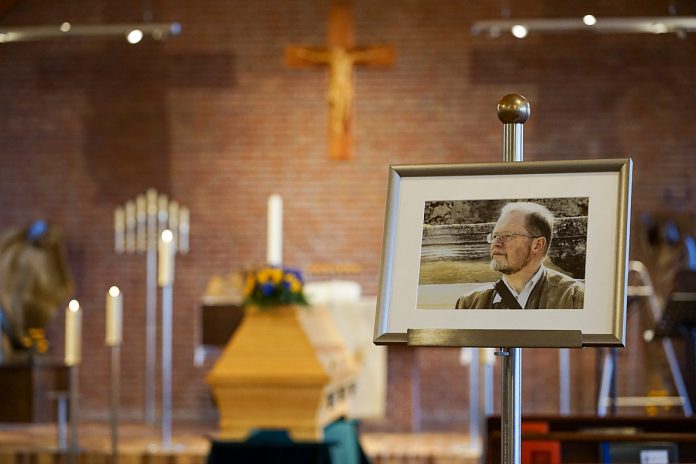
(513, 109)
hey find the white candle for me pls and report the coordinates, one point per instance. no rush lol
(162, 210)
(152, 235)
(165, 269)
(274, 250)
(119, 230)
(141, 216)
(174, 220)
(114, 316)
(130, 226)
(73, 333)
(151, 201)
(184, 224)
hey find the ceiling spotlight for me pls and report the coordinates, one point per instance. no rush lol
(134, 32)
(519, 31)
(589, 20)
(658, 28)
(134, 36)
(680, 25)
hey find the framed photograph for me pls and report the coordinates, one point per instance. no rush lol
(467, 246)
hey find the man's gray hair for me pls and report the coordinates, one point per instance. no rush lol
(539, 219)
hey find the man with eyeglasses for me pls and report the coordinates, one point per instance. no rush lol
(519, 244)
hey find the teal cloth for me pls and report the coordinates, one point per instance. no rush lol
(340, 446)
(345, 447)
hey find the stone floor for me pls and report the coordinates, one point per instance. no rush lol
(142, 444)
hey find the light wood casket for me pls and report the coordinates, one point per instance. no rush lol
(284, 368)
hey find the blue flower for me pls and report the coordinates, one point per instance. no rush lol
(296, 273)
(267, 289)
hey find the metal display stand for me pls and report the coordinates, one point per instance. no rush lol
(513, 112)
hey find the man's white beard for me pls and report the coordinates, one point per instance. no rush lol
(507, 269)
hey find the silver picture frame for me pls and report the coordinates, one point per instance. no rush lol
(600, 322)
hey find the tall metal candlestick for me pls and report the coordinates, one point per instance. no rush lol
(114, 323)
(73, 356)
(74, 441)
(165, 277)
(151, 305)
(167, 304)
(114, 399)
(513, 112)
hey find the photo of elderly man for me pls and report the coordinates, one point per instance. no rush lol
(519, 243)
(503, 254)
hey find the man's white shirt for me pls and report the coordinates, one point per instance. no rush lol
(523, 296)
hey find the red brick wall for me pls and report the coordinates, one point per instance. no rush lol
(217, 120)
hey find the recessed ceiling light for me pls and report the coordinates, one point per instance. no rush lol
(519, 31)
(135, 36)
(589, 20)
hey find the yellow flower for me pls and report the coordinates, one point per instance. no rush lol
(295, 285)
(263, 275)
(276, 275)
(250, 284)
(42, 346)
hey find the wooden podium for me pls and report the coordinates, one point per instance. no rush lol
(28, 391)
(284, 368)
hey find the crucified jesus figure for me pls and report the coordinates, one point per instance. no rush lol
(340, 56)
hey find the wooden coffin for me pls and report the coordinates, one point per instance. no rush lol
(284, 368)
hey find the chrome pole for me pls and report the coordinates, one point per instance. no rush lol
(62, 421)
(74, 447)
(151, 317)
(564, 380)
(114, 400)
(513, 112)
(475, 412)
(167, 301)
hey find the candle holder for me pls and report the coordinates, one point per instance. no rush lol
(137, 226)
(73, 357)
(114, 326)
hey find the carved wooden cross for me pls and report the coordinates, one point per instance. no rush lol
(340, 55)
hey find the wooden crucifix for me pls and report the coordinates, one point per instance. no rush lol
(340, 55)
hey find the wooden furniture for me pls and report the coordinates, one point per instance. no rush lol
(284, 368)
(581, 437)
(218, 323)
(26, 391)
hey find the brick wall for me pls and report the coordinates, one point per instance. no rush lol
(217, 120)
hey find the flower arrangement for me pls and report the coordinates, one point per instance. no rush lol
(273, 286)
